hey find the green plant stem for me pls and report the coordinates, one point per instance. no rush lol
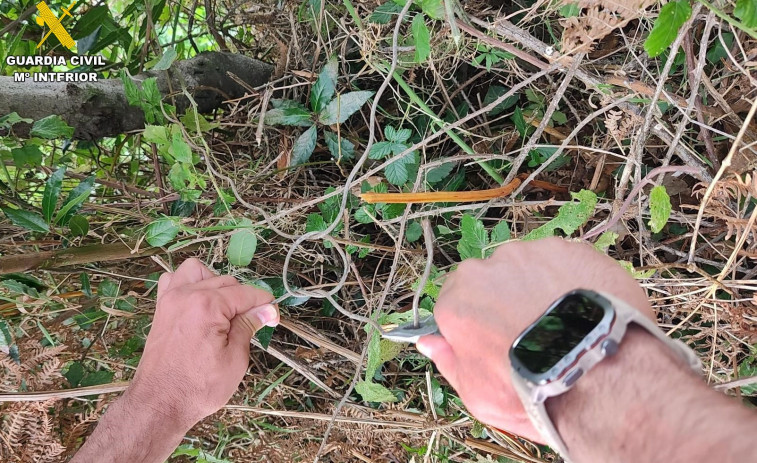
(440, 124)
(722, 15)
(353, 14)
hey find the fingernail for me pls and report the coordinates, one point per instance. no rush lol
(267, 315)
(423, 349)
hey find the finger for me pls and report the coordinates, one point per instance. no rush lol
(190, 271)
(440, 352)
(246, 324)
(216, 282)
(164, 282)
(237, 299)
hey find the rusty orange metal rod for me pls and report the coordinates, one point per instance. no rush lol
(455, 196)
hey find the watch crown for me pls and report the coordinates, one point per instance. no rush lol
(609, 347)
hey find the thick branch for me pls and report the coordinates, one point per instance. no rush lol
(99, 109)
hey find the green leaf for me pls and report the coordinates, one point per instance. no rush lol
(398, 136)
(671, 18)
(746, 11)
(605, 240)
(27, 219)
(264, 336)
(748, 368)
(421, 38)
(28, 155)
(315, 222)
(86, 286)
(520, 123)
(51, 193)
(169, 55)
(79, 225)
(382, 149)
(473, 238)
(413, 232)
(397, 173)
(325, 86)
(242, 247)
(181, 150)
(75, 199)
(155, 134)
(659, 208)
(161, 232)
(570, 10)
(374, 392)
(384, 13)
(433, 8)
(495, 92)
(340, 149)
(74, 374)
(569, 217)
(303, 147)
(300, 117)
(7, 344)
(97, 377)
(501, 232)
(437, 174)
(7, 121)
(343, 106)
(108, 288)
(52, 127)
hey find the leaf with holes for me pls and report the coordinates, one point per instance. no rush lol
(374, 392)
(659, 208)
(51, 193)
(569, 217)
(304, 146)
(242, 247)
(666, 26)
(325, 86)
(343, 106)
(27, 219)
(421, 38)
(473, 238)
(161, 232)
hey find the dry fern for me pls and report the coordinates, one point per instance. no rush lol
(27, 433)
(597, 19)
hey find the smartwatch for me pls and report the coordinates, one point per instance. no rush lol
(575, 333)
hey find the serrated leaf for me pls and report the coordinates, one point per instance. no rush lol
(296, 116)
(659, 208)
(500, 232)
(340, 149)
(169, 56)
(27, 219)
(397, 135)
(397, 173)
(242, 247)
(9, 120)
(97, 377)
(325, 86)
(746, 11)
(569, 217)
(161, 232)
(155, 134)
(374, 392)
(382, 149)
(51, 127)
(79, 225)
(315, 222)
(343, 106)
(437, 174)
(413, 232)
(51, 193)
(473, 238)
(75, 199)
(666, 26)
(421, 38)
(181, 150)
(433, 8)
(108, 288)
(304, 146)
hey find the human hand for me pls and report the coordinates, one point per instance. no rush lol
(485, 304)
(199, 346)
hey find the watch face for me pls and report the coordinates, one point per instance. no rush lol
(565, 325)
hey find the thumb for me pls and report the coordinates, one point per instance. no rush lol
(246, 324)
(440, 352)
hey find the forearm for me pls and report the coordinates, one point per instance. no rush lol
(132, 431)
(644, 405)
